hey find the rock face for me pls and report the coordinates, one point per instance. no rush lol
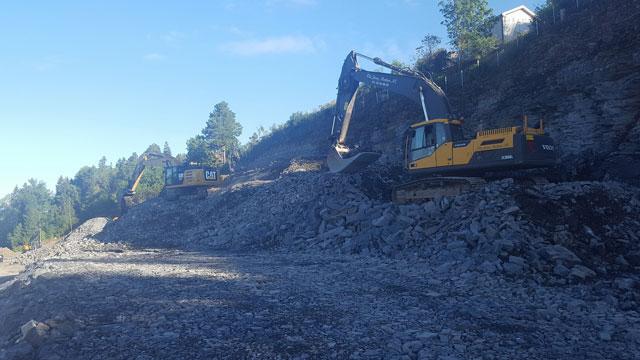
(582, 76)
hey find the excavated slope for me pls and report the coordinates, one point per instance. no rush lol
(582, 76)
(557, 232)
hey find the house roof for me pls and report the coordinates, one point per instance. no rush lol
(521, 7)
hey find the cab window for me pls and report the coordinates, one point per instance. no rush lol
(441, 134)
(173, 175)
(423, 143)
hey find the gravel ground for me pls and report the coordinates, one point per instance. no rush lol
(319, 268)
(108, 301)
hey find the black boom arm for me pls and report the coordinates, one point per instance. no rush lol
(409, 83)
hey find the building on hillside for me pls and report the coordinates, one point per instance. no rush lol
(513, 23)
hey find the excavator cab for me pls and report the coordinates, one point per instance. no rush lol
(430, 143)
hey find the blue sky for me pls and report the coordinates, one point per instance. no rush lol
(83, 79)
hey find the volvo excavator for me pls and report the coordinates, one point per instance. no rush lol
(437, 155)
(179, 179)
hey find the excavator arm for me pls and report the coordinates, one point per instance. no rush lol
(146, 159)
(403, 81)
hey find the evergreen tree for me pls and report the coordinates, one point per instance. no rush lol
(198, 151)
(66, 200)
(154, 148)
(218, 142)
(222, 132)
(36, 214)
(166, 149)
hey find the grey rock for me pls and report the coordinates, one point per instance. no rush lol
(412, 347)
(625, 283)
(34, 332)
(383, 220)
(20, 351)
(559, 252)
(561, 270)
(515, 265)
(511, 210)
(582, 272)
(606, 332)
(488, 267)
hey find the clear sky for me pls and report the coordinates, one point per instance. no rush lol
(82, 79)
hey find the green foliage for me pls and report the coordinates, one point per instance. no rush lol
(67, 200)
(32, 211)
(166, 149)
(218, 143)
(468, 25)
(476, 45)
(198, 151)
(398, 64)
(428, 45)
(254, 139)
(181, 158)
(151, 183)
(154, 148)
(438, 61)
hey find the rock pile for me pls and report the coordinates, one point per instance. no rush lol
(80, 238)
(557, 232)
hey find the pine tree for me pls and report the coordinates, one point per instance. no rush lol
(218, 143)
(166, 149)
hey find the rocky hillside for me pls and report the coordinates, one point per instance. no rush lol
(582, 76)
(561, 232)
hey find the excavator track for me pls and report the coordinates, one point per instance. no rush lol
(434, 187)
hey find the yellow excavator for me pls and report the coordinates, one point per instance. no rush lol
(179, 179)
(443, 161)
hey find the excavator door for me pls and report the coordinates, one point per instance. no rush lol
(422, 148)
(444, 146)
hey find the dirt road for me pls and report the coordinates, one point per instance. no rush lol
(111, 302)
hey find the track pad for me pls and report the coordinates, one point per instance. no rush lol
(338, 164)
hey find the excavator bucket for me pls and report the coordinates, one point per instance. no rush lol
(338, 164)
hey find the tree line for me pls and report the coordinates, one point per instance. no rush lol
(32, 212)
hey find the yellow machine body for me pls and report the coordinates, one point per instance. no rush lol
(438, 147)
(184, 177)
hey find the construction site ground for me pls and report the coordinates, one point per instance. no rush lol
(109, 301)
(321, 269)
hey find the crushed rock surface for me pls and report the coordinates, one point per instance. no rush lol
(310, 265)
(555, 233)
(106, 302)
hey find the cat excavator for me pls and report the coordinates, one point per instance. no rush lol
(436, 154)
(179, 179)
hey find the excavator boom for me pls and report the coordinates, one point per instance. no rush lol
(409, 83)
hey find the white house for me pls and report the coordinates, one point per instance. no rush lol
(513, 23)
